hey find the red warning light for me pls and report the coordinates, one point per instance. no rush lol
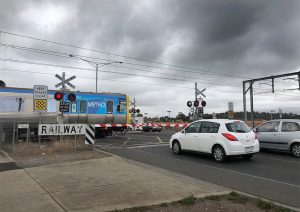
(58, 96)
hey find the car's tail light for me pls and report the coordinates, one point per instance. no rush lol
(229, 137)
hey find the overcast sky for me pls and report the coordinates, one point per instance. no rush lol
(216, 43)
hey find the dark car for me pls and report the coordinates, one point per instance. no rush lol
(156, 129)
(147, 128)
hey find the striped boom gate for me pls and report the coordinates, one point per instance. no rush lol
(90, 134)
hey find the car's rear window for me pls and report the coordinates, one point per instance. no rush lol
(237, 126)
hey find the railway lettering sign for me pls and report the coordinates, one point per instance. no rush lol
(62, 129)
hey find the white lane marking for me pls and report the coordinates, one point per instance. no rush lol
(290, 161)
(144, 146)
(159, 140)
(126, 142)
(228, 170)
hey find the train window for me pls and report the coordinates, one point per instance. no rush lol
(82, 106)
(109, 107)
(74, 108)
(122, 106)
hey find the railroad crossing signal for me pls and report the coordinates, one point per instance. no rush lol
(64, 81)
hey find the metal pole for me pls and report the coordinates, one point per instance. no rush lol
(40, 120)
(273, 85)
(75, 142)
(251, 103)
(134, 113)
(299, 80)
(1, 130)
(195, 109)
(14, 132)
(27, 139)
(244, 101)
(97, 78)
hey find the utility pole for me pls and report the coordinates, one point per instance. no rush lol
(134, 105)
(195, 108)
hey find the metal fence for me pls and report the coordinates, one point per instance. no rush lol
(21, 139)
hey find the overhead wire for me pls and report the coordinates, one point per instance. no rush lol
(114, 72)
(118, 55)
(76, 57)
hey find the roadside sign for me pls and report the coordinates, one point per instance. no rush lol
(64, 106)
(40, 97)
(23, 126)
(230, 110)
(230, 106)
(62, 129)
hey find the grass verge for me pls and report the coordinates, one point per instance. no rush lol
(233, 197)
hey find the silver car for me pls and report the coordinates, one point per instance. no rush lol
(283, 134)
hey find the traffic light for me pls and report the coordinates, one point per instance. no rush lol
(71, 97)
(58, 96)
(196, 103)
(203, 103)
(189, 103)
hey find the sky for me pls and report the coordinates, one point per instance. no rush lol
(165, 48)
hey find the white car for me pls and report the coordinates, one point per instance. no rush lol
(219, 137)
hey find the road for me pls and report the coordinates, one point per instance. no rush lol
(271, 175)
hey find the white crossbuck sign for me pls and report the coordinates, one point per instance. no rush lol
(64, 81)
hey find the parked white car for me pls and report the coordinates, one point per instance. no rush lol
(219, 137)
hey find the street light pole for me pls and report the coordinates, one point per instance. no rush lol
(97, 78)
(95, 65)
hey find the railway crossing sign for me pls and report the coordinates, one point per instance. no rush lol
(64, 81)
(40, 97)
(198, 92)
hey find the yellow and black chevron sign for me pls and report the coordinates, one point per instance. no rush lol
(40, 104)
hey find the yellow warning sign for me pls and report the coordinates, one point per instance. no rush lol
(40, 105)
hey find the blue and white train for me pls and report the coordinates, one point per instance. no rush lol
(99, 108)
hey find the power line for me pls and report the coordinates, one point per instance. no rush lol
(93, 78)
(66, 55)
(113, 72)
(112, 54)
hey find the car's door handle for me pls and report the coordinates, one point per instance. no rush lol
(274, 135)
(212, 136)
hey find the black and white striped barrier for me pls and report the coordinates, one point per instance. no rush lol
(90, 134)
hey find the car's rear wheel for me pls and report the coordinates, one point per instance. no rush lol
(247, 157)
(295, 149)
(176, 147)
(219, 154)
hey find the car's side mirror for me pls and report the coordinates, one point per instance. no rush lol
(183, 131)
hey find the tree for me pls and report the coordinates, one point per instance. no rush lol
(2, 83)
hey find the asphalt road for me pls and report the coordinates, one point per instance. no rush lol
(271, 175)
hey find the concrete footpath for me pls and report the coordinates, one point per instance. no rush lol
(95, 185)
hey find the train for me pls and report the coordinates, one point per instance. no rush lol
(89, 108)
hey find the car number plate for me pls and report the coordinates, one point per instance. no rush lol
(249, 149)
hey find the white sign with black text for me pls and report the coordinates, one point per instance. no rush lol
(62, 129)
(40, 92)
